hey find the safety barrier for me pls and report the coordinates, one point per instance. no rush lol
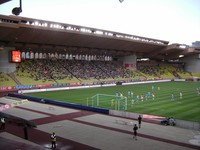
(64, 104)
(188, 124)
(155, 119)
(17, 120)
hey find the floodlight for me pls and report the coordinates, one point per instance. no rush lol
(180, 56)
(17, 10)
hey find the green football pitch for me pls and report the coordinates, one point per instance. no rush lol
(186, 107)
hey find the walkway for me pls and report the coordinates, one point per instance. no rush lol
(76, 129)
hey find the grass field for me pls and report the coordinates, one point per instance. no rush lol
(187, 108)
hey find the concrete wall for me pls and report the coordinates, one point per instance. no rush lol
(130, 62)
(5, 65)
(192, 63)
(188, 124)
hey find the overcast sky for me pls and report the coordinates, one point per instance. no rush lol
(176, 21)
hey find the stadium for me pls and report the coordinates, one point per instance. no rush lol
(53, 74)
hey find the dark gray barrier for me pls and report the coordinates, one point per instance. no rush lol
(58, 103)
(18, 120)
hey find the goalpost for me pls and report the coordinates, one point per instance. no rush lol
(105, 100)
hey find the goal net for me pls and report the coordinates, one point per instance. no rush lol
(108, 101)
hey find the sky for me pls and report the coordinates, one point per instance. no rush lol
(176, 21)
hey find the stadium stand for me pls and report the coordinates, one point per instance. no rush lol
(53, 71)
(5, 80)
(77, 40)
(39, 36)
(56, 71)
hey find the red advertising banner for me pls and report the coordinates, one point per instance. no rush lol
(6, 88)
(74, 83)
(42, 85)
(129, 65)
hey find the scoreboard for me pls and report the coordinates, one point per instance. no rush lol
(16, 56)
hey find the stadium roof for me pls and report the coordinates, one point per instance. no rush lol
(4, 1)
(33, 34)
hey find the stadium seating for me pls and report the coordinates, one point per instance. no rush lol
(196, 74)
(62, 71)
(5, 80)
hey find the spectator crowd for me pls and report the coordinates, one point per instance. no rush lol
(57, 69)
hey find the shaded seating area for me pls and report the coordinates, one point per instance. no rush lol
(163, 71)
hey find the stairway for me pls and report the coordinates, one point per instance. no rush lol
(141, 74)
(176, 74)
(14, 78)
